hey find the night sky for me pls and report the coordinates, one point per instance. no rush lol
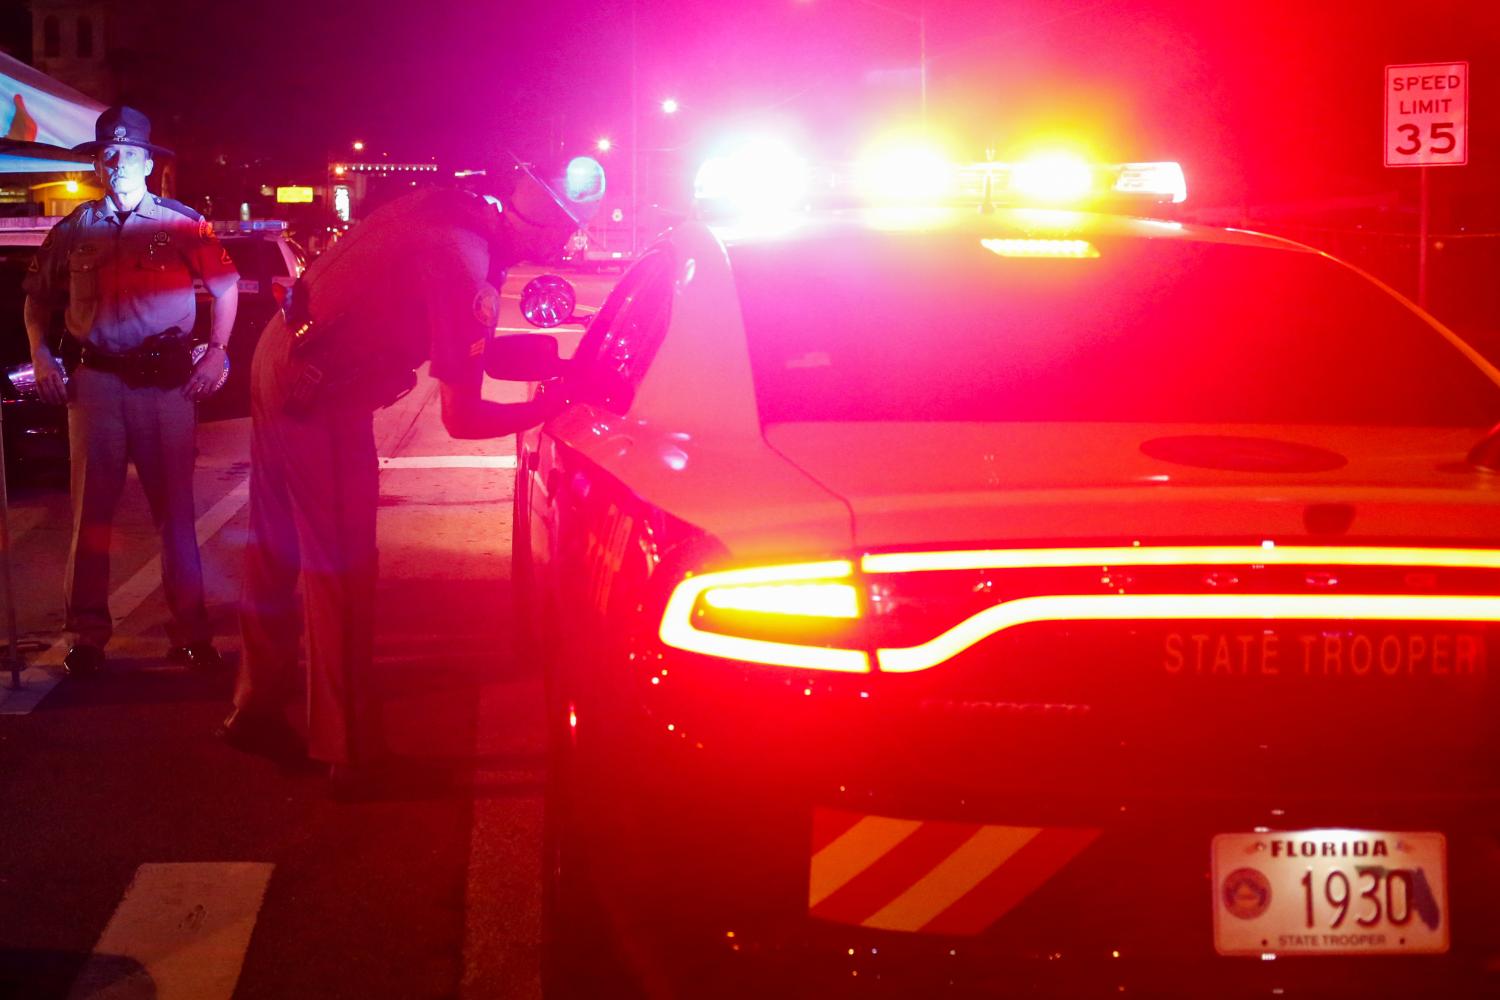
(1262, 102)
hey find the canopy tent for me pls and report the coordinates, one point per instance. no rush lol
(41, 120)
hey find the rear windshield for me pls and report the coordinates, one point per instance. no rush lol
(937, 328)
(255, 258)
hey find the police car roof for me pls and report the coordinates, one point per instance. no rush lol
(1010, 223)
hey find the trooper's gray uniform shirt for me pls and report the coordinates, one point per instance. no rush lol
(121, 278)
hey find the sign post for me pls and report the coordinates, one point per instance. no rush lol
(1426, 125)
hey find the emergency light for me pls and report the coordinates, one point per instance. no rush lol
(761, 176)
(223, 228)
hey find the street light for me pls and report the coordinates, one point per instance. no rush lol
(359, 147)
(604, 145)
(669, 106)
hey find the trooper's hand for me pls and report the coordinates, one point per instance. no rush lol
(551, 398)
(200, 385)
(49, 377)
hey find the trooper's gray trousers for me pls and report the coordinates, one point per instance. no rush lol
(110, 425)
(313, 493)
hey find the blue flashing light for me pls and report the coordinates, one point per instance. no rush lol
(583, 179)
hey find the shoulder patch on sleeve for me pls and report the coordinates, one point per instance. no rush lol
(487, 306)
(171, 204)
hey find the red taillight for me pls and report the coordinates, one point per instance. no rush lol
(913, 611)
(786, 616)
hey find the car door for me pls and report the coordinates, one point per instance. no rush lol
(569, 500)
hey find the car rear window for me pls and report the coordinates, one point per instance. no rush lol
(938, 328)
(256, 259)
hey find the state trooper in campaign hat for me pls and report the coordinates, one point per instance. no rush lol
(113, 286)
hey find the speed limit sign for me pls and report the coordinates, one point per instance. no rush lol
(1427, 115)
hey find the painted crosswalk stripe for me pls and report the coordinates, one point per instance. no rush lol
(179, 933)
(449, 462)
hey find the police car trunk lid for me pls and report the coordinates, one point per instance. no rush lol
(1088, 694)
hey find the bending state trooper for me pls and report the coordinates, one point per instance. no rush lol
(120, 270)
(417, 280)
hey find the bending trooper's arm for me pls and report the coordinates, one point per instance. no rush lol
(467, 415)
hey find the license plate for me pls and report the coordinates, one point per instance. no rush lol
(1330, 892)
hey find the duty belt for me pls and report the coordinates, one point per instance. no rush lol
(162, 361)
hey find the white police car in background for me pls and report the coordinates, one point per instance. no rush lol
(951, 600)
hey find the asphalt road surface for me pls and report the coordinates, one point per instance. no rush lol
(140, 859)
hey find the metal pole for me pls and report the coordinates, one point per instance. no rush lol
(922, 57)
(1422, 221)
(13, 640)
(635, 139)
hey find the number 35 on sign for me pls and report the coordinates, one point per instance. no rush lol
(1427, 115)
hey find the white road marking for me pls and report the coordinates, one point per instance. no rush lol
(41, 676)
(179, 933)
(449, 462)
(503, 895)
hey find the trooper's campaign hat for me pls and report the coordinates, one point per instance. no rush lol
(122, 126)
(540, 216)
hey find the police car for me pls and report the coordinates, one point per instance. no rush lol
(269, 263)
(951, 602)
(36, 434)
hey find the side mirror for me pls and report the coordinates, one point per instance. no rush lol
(522, 357)
(548, 301)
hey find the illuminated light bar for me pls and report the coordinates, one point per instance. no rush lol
(813, 600)
(1182, 555)
(1076, 249)
(679, 632)
(1066, 180)
(249, 226)
(758, 175)
(1177, 607)
(906, 173)
(1162, 180)
(1053, 178)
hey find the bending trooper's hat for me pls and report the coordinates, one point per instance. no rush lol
(122, 126)
(541, 217)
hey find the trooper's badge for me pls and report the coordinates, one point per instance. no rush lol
(160, 238)
(487, 306)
